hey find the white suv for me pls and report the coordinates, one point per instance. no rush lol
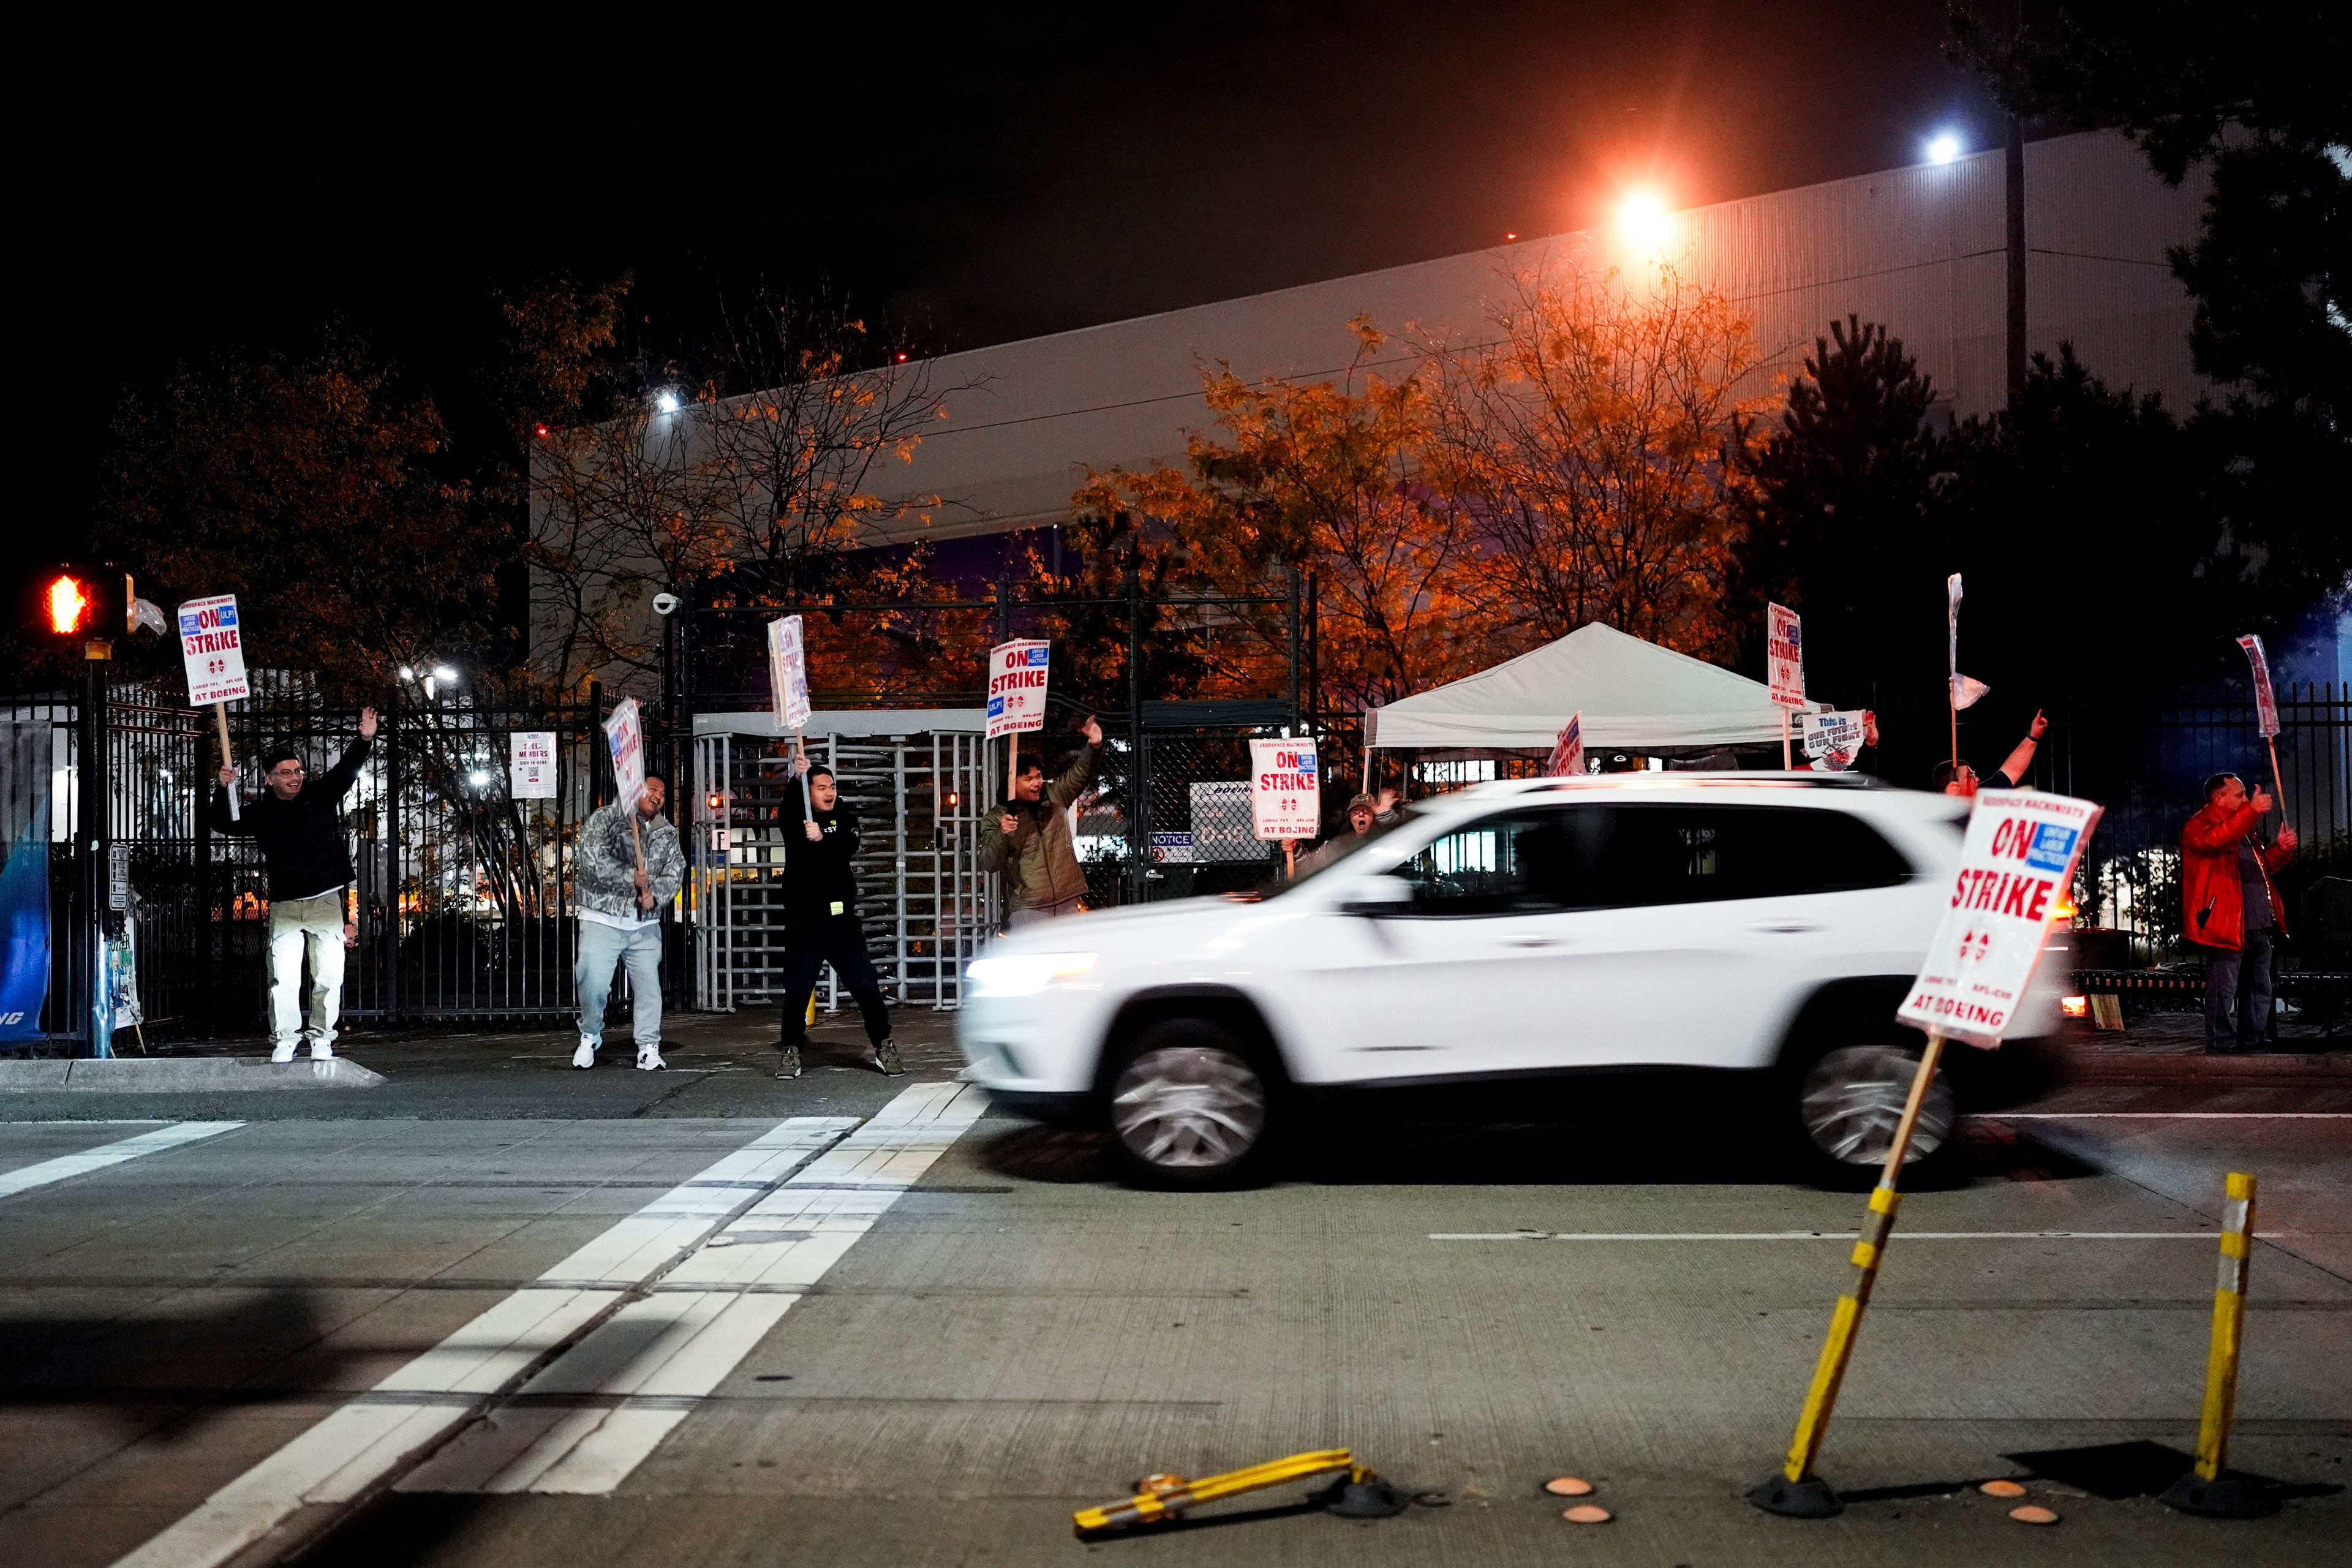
(1757, 924)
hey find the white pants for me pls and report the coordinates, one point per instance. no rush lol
(297, 926)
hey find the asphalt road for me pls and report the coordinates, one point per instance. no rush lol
(498, 1314)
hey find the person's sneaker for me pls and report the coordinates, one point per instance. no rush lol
(322, 1052)
(586, 1057)
(885, 1057)
(788, 1062)
(649, 1059)
(284, 1051)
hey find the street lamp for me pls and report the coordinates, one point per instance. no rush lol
(666, 400)
(1943, 147)
(1642, 219)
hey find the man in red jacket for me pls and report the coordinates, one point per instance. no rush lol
(2230, 908)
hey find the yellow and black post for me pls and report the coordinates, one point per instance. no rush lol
(2208, 1488)
(1794, 1490)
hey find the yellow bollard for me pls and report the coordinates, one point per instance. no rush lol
(2207, 1489)
(1173, 1496)
(1794, 1490)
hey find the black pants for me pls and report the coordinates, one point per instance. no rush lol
(2241, 975)
(841, 942)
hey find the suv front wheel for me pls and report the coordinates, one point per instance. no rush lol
(1191, 1105)
(1850, 1096)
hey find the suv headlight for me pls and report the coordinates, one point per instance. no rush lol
(1026, 974)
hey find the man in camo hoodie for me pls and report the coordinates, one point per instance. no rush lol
(620, 897)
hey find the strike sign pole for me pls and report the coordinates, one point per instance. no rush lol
(220, 716)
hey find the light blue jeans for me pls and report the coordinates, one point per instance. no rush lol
(601, 948)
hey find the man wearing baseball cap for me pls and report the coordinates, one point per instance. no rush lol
(1365, 813)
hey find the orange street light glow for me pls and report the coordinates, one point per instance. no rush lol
(67, 604)
(1643, 218)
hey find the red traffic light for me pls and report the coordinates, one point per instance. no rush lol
(70, 606)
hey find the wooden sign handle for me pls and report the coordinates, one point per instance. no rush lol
(220, 716)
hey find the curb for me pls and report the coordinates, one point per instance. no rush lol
(183, 1075)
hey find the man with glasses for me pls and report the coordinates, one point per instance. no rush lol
(298, 822)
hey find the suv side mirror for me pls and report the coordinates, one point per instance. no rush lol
(1374, 896)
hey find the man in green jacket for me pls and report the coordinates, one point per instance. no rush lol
(1028, 840)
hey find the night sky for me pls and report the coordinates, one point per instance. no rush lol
(965, 180)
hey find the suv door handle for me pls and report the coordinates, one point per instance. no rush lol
(1535, 941)
(1784, 928)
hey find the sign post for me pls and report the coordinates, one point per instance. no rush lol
(624, 735)
(788, 681)
(2017, 864)
(1784, 655)
(1017, 674)
(211, 646)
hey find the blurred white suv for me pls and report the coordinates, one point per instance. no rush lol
(1753, 924)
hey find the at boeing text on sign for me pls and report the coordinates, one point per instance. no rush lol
(1016, 687)
(625, 736)
(213, 651)
(1285, 790)
(2017, 864)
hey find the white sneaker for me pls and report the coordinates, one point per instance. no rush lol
(283, 1052)
(649, 1059)
(322, 1052)
(586, 1057)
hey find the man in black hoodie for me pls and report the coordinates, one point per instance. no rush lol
(298, 822)
(821, 923)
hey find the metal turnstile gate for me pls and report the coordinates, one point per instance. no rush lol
(917, 780)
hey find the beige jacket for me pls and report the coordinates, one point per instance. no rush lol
(1038, 859)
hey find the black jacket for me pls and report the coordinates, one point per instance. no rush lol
(817, 875)
(301, 839)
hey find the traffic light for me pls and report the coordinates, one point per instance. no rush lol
(68, 604)
(91, 603)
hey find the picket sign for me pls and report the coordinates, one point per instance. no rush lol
(1784, 660)
(788, 684)
(1285, 790)
(211, 646)
(2266, 709)
(1832, 738)
(624, 735)
(1017, 675)
(2017, 864)
(1568, 751)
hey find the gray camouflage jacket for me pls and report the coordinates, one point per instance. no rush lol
(604, 873)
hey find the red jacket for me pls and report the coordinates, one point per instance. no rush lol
(2212, 893)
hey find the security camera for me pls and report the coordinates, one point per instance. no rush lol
(665, 603)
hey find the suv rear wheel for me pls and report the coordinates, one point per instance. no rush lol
(1850, 1096)
(1191, 1105)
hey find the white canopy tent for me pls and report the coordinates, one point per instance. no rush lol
(1633, 695)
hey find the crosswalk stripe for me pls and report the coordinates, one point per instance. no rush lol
(597, 1412)
(352, 1450)
(65, 1166)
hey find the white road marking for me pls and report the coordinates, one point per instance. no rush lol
(2166, 1116)
(353, 1449)
(598, 1411)
(65, 1166)
(1840, 1234)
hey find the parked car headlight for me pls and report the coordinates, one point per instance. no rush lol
(1026, 974)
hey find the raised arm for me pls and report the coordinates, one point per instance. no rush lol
(1080, 775)
(346, 772)
(2022, 758)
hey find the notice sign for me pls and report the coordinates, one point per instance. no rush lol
(1568, 751)
(531, 764)
(626, 737)
(1016, 687)
(788, 673)
(1784, 653)
(2016, 866)
(213, 648)
(2265, 699)
(1285, 790)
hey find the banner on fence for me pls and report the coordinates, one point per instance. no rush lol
(1285, 790)
(1016, 686)
(626, 737)
(2017, 864)
(788, 673)
(1831, 739)
(2265, 699)
(1784, 655)
(24, 928)
(1568, 751)
(1222, 823)
(213, 648)
(531, 764)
